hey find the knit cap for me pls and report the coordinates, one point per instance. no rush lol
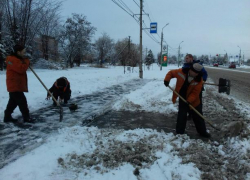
(196, 67)
(18, 48)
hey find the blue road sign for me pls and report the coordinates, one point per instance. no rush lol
(153, 27)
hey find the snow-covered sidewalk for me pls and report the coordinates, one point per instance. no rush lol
(91, 153)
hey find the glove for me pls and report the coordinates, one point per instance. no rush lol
(61, 99)
(166, 83)
(48, 97)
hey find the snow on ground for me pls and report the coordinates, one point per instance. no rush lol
(69, 153)
(149, 98)
(60, 157)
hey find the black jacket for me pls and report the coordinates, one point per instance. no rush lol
(61, 87)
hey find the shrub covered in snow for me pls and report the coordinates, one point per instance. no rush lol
(45, 64)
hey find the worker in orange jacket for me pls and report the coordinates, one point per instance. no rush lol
(188, 85)
(17, 84)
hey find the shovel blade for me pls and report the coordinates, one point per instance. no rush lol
(224, 86)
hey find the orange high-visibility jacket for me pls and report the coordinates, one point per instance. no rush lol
(16, 77)
(193, 90)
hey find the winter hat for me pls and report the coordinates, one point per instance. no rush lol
(18, 48)
(196, 67)
(61, 82)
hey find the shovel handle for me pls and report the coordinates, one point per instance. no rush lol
(58, 104)
(211, 84)
(216, 84)
(45, 86)
(197, 112)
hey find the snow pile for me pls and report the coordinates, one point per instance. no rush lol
(153, 97)
(92, 153)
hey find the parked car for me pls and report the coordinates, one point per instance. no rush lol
(232, 65)
(215, 64)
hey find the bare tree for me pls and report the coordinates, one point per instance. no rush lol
(75, 38)
(1, 44)
(127, 55)
(134, 55)
(23, 19)
(104, 46)
(49, 30)
(121, 51)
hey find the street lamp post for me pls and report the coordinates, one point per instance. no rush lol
(226, 56)
(161, 43)
(179, 53)
(239, 55)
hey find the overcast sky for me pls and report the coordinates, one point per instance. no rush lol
(206, 26)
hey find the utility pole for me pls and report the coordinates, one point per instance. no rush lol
(127, 54)
(145, 57)
(167, 52)
(161, 48)
(128, 44)
(179, 53)
(178, 59)
(161, 43)
(243, 58)
(239, 55)
(140, 63)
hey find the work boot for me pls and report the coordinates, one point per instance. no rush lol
(8, 119)
(206, 135)
(29, 120)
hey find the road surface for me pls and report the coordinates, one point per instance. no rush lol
(240, 80)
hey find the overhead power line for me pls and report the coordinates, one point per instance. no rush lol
(122, 8)
(126, 6)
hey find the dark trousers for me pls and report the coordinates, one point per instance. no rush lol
(63, 95)
(17, 99)
(182, 119)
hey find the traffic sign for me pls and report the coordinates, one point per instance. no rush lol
(164, 59)
(153, 27)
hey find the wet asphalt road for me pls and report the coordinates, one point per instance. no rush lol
(240, 80)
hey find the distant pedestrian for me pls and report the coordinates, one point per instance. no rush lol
(188, 85)
(60, 89)
(17, 84)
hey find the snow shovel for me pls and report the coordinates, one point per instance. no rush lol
(224, 85)
(209, 122)
(58, 104)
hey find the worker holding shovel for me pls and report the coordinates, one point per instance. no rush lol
(188, 86)
(17, 84)
(189, 61)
